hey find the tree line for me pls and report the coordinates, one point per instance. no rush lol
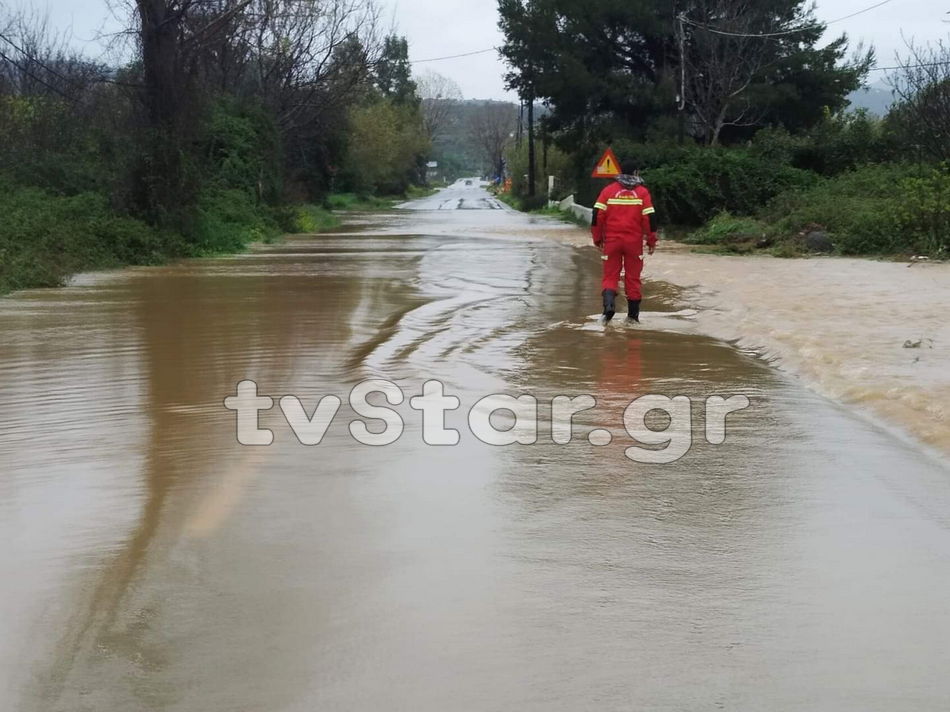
(267, 96)
(218, 122)
(642, 65)
(737, 109)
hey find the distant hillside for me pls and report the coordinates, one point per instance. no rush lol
(459, 155)
(456, 150)
(877, 99)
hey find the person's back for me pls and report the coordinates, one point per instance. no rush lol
(627, 207)
(624, 217)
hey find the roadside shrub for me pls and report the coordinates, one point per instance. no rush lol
(726, 228)
(538, 202)
(44, 143)
(650, 156)
(243, 150)
(385, 143)
(706, 182)
(229, 220)
(923, 211)
(309, 219)
(354, 201)
(559, 165)
(45, 238)
(841, 143)
(860, 209)
(874, 210)
(777, 145)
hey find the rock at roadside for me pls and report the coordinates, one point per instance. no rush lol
(818, 241)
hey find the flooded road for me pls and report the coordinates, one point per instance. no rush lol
(150, 562)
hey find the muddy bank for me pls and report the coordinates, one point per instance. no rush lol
(869, 334)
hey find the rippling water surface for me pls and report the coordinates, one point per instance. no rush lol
(151, 563)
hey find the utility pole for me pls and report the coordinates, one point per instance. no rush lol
(549, 180)
(520, 124)
(681, 107)
(532, 173)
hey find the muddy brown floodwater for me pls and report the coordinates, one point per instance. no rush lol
(149, 562)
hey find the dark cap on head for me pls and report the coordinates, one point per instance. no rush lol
(628, 164)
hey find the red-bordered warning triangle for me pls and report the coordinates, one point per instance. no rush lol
(608, 166)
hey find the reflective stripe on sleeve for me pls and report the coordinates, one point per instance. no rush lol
(649, 211)
(600, 206)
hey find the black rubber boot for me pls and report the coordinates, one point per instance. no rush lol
(633, 311)
(610, 308)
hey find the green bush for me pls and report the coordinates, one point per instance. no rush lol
(45, 143)
(532, 204)
(875, 210)
(726, 228)
(558, 164)
(45, 238)
(923, 211)
(840, 143)
(242, 150)
(777, 145)
(860, 209)
(649, 156)
(310, 219)
(353, 201)
(228, 221)
(692, 184)
(386, 143)
(705, 182)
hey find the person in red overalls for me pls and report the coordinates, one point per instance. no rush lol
(624, 218)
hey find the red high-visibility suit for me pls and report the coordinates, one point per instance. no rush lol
(623, 219)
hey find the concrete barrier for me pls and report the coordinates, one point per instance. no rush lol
(569, 206)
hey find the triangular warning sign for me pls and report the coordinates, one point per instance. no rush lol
(608, 166)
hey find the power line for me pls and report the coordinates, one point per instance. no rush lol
(684, 19)
(695, 24)
(76, 84)
(785, 33)
(32, 76)
(455, 56)
(859, 12)
(766, 35)
(73, 83)
(910, 66)
(31, 58)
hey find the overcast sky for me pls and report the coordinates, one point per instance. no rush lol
(437, 28)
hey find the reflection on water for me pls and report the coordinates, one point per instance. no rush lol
(153, 564)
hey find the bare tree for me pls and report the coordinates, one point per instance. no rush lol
(722, 66)
(922, 85)
(52, 102)
(440, 98)
(492, 126)
(299, 57)
(311, 61)
(302, 48)
(297, 66)
(35, 60)
(166, 39)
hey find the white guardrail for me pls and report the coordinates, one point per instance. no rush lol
(569, 206)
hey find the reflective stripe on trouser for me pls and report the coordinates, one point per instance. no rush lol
(624, 255)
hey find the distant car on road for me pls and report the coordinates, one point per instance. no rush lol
(468, 182)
